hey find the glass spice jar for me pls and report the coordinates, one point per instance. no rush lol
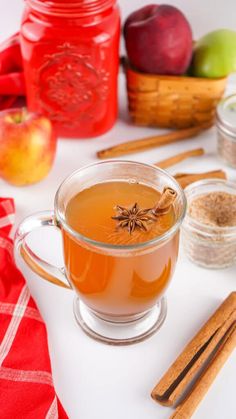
(226, 129)
(70, 53)
(209, 228)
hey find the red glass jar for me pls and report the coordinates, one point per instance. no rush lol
(70, 52)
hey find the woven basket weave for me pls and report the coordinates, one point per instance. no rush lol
(170, 101)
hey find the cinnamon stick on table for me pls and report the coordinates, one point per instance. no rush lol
(185, 179)
(186, 409)
(145, 143)
(171, 161)
(217, 334)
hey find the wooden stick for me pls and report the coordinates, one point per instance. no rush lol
(150, 142)
(179, 375)
(186, 409)
(171, 161)
(185, 179)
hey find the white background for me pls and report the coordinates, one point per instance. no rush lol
(203, 15)
(95, 381)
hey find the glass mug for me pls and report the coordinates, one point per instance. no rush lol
(119, 288)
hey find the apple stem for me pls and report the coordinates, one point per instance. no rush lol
(24, 114)
(17, 119)
(20, 117)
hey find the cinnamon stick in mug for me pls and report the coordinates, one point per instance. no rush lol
(142, 144)
(164, 204)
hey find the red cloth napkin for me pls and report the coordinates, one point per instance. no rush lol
(12, 83)
(26, 385)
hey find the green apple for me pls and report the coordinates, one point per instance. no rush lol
(215, 54)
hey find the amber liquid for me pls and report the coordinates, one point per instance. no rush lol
(112, 284)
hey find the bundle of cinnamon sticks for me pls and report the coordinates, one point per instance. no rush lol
(184, 179)
(193, 372)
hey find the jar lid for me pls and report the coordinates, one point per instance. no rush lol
(226, 113)
(70, 8)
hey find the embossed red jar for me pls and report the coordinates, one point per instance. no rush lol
(71, 56)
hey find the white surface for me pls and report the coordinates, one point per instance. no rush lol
(204, 16)
(95, 381)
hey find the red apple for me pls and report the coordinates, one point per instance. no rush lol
(27, 146)
(158, 40)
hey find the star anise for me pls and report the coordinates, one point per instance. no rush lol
(137, 218)
(134, 218)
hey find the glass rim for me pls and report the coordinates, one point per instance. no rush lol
(225, 130)
(224, 124)
(107, 246)
(199, 227)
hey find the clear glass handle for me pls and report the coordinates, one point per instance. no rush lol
(39, 266)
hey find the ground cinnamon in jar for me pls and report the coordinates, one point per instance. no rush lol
(209, 230)
(217, 209)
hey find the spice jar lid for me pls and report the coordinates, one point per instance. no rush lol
(226, 114)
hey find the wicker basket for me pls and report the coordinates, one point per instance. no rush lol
(170, 101)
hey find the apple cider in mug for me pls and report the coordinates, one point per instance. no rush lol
(120, 225)
(120, 214)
